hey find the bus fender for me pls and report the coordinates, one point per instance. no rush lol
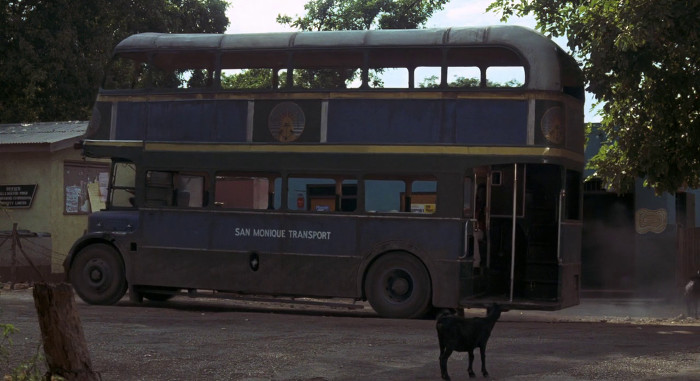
(85, 240)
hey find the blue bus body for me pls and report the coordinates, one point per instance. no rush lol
(491, 171)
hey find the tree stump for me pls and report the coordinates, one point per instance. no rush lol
(62, 334)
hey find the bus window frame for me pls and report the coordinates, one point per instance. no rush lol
(365, 60)
(125, 188)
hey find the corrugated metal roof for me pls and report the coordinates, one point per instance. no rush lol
(41, 133)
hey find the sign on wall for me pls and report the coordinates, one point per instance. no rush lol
(17, 196)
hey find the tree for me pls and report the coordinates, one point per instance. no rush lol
(641, 61)
(324, 15)
(433, 82)
(54, 51)
(364, 14)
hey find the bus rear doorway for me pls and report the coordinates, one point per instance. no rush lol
(524, 236)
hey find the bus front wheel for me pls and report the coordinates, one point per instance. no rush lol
(97, 274)
(398, 286)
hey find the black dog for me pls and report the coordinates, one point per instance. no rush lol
(692, 295)
(465, 334)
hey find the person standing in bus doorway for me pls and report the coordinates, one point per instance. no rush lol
(479, 232)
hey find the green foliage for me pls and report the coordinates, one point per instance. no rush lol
(432, 83)
(54, 51)
(6, 340)
(641, 61)
(27, 371)
(364, 14)
(248, 79)
(323, 15)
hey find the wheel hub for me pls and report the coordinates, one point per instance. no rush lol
(95, 275)
(399, 286)
(97, 272)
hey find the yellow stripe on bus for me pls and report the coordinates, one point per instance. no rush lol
(381, 94)
(344, 149)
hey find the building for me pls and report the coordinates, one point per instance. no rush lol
(44, 192)
(638, 243)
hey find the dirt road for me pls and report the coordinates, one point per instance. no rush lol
(199, 339)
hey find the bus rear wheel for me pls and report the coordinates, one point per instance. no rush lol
(398, 286)
(97, 275)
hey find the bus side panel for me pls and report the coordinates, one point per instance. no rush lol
(492, 122)
(198, 121)
(436, 242)
(384, 121)
(249, 252)
(130, 120)
(466, 121)
(194, 121)
(298, 254)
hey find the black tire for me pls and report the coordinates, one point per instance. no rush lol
(97, 274)
(398, 286)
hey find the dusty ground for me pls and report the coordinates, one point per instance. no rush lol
(204, 339)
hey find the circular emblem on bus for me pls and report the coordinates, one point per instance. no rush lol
(551, 126)
(286, 121)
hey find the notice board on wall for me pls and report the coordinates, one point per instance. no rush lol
(85, 186)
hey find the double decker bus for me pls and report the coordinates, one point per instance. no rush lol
(393, 166)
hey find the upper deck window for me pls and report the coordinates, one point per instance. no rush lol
(331, 79)
(427, 76)
(170, 70)
(489, 66)
(241, 70)
(389, 77)
(127, 72)
(173, 70)
(505, 76)
(240, 79)
(456, 67)
(463, 76)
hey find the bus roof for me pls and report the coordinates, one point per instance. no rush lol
(549, 65)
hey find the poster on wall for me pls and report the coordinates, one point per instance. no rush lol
(17, 196)
(85, 187)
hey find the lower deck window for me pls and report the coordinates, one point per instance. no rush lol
(243, 191)
(397, 196)
(165, 188)
(123, 185)
(319, 194)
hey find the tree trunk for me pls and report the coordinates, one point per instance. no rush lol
(64, 343)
